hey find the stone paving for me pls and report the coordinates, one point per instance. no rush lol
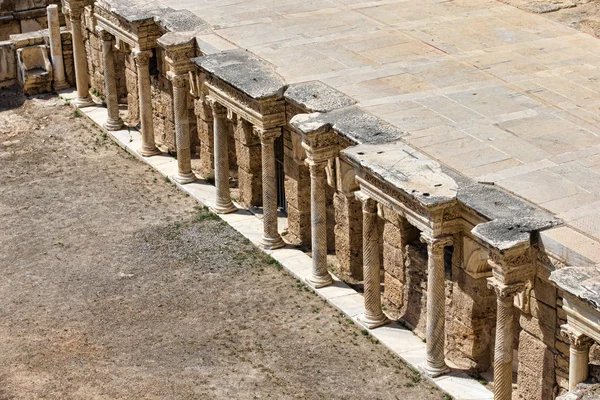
(503, 96)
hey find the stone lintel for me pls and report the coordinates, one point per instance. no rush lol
(579, 283)
(582, 316)
(265, 114)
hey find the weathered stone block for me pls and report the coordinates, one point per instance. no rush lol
(469, 348)
(536, 376)
(393, 291)
(348, 235)
(544, 291)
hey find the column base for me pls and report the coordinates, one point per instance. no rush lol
(82, 102)
(433, 372)
(150, 152)
(58, 86)
(183, 179)
(224, 209)
(317, 282)
(113, 125)
(272, 243)
(372, 323)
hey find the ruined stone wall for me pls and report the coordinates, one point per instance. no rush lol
(68, 60)
(23, 16)
(205, 135)
(543, 354)
(249, 160)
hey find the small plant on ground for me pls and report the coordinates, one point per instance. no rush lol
(76, 113)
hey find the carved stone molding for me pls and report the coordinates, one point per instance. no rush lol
(577, 340)
(505, 291)
(142, 57)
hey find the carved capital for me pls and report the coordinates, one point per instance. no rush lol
(436, 245)
(179, 81)
(505, 292)
(321, 154)
(316, 168)
(142, 57)
(577, 340)
(104, 35)
(218, 111)
(368, 204)
(267, 135)
(75, 14)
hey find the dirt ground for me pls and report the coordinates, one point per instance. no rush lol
(583, 15)
(117, 286)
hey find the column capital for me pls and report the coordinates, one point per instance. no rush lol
(436, 244)
(368, 204)
(104, 35)
(142, 57)
(267, 135)
(218, 110)
(178, 81)
(505, 291)
(577, 340)
(74, 13)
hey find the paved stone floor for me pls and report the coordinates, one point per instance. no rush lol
(493, 91)
(115, 285)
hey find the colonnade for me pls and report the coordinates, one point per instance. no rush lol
(317, 160)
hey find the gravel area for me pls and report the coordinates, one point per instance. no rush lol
(118, 286)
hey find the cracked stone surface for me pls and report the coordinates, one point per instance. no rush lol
(245, 72)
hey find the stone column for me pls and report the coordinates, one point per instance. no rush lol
(142, 61)
(182, 130)
(271, 238)
(579, 356)
(114, 121)
(503, 349)
(320, 276)
(373, 315)
(435, 365)
(223, 203)
(81, 75)
(56, 53)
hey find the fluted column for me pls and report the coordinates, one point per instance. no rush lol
(182, 130)
(81, 75)
(271, 238)
(142, 61)
(56, 53)
(373, 315)
(503, 349)
(320, 275)
(579, 358)
(114, 121)
(435, 365)
(223, 203)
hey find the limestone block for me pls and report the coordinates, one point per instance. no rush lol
(544, 291)
(470, 348)
(538, 329)
(392, 234)
(9, 27)
(250, 188)
(8, 66)
(393, 262)
(393, 291)
(348, 235)
(414, 310)
(536, 372)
